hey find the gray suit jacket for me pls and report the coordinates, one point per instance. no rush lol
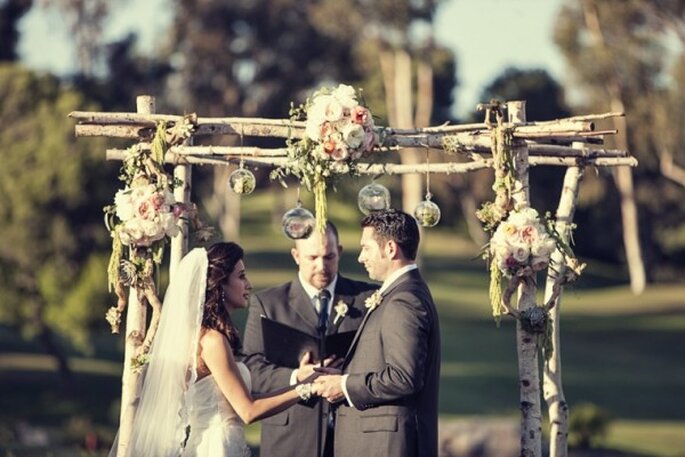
(394, 370)
(293, 432)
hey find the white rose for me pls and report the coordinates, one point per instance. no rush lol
(169, 199)
(124, 205)
(353, 135)
(520, 252)
(135, 231)
(313, 127)
(525, 216)
(543, 246)
(346, 96)
(325, 108)
(169, 223)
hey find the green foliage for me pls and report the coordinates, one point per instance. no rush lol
(587, 425)
(50, 218)
(622, 56)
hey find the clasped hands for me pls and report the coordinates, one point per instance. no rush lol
(326, 380)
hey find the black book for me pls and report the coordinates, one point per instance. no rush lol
(285, 345)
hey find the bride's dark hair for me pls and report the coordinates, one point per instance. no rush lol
(222, 258)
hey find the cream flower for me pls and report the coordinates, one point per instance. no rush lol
(373, 300)
(353, 135)
(341, 310)
(346, 96)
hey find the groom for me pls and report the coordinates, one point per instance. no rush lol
(391, 373)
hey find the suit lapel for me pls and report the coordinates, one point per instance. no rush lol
(301, 304)
(342, 290)
(410, 276)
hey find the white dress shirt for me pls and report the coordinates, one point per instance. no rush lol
(313, 293)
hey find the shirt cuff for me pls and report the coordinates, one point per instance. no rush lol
(293, 377)
(343, 385)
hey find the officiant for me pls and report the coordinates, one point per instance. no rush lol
(317, 301)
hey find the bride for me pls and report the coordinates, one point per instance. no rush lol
(195, 396)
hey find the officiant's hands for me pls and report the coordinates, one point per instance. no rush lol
(308, 370)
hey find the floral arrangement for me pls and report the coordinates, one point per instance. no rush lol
(146, 213)
(521, 242)
(339, 130)
(143, 218)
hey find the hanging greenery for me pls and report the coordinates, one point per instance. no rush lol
(339, 131)
(144, 217)
(521, 242)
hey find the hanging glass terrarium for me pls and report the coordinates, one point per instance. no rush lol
(427, 213)
(298, 223)
(242, 181)
(373, 197)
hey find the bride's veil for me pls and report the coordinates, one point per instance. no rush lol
(159, 427)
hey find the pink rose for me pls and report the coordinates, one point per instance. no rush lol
(360, 115)
(145, 210)
(528, 234)
(157, 200)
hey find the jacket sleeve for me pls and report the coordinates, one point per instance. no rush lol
(405, 333)
(266, 376)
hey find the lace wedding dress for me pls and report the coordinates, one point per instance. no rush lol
(215, 428)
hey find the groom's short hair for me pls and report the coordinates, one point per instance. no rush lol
(398, 226)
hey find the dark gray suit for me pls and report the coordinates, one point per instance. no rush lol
(394, 371)
(293, 432)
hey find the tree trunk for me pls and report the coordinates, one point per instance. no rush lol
(47, 339)
(226, 205)
(396, 67)
(468, 205)
(136, 315)
(179, 244)
(623, 176)
(552, 386)
(527, 348)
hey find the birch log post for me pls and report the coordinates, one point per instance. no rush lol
(179, 243)
(136, 314)
(526, 344)
(553, 391)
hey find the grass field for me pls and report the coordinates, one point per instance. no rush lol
(621, 352)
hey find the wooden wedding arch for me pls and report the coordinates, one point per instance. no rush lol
(572, 142)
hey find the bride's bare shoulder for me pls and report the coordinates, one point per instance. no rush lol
(213, 340)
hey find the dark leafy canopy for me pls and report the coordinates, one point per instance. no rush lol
(252, 58)
(636, 59)
(52, 239)
(11, 11)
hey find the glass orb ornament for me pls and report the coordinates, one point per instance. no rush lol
(242, 181)
(373, 197)
(427, 213)
(298, 223)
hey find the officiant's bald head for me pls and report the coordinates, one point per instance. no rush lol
(318, 256)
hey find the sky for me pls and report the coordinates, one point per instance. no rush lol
(522, 38)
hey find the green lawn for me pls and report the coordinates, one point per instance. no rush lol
(622, 352)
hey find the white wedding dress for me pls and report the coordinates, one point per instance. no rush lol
(215, 428)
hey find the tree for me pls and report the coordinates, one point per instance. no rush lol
(616, 67)
(52, 240)
(11, 11)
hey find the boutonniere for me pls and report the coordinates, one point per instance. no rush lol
(341, 310)
(373, 300)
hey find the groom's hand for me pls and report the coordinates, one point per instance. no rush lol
(329, 387)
